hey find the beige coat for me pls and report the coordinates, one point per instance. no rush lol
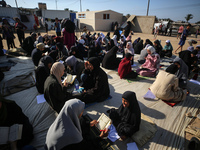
(166, 87)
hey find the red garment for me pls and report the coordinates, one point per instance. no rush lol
(69, 39)
(124, 67)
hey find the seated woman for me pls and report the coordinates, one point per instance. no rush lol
(110, 45)
(10, 114)
(143, 55)
(66, 132)
(138, 47)
(37, 53)
(75, 66)
(55, 92)
(95, 82)
(110, 61)
(182, 73)
(168, 89)
(124, 69)
(129, 48)
(167, 50)
(150, 67)
(148, 42)
(158, 47)
(128, 117)
(42, 72)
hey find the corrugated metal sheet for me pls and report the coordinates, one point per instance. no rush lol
(9, 11)
(52, 14)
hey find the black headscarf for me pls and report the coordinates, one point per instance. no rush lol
(138, 47)
(128, 55)
(95, 62)
(158, 48)
(44, 61)
(131, 113)
(110, 61)
(69, 26)
(172, 69)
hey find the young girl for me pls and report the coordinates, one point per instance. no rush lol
(151, 65)
(128, 117)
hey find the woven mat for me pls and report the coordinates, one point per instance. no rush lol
(146, 132)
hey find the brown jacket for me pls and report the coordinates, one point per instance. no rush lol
(166, 87)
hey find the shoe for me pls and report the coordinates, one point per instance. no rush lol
(194, 144)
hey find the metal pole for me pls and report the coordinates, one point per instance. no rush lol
(16, 3)
(148, 7)
(56, 4)
(80, 6)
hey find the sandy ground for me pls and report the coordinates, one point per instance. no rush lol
(173, 39)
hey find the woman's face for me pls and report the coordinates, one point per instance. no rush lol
(167, 43)
(49, 65)
(155, 44)
(125, 103)
(148, 51)
(178, 65)
(127, 46)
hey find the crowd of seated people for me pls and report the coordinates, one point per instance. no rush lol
(55, 56)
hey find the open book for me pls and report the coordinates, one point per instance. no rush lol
(12, 133)
(104, 122)
(69, 78)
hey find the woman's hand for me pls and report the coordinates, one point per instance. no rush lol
(86, 65)
(93, 122)
(65, 84)
(104, 133)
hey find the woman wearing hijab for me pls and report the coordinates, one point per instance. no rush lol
(28, 44)
(114, 38)
(148, 42)
(110, 60)
(127, 29)
(95, 82)
(129, 48)
(110, 45)
(108, 36)
(68, 34)
(75, 66)
(188, 57)
(42, 72)
(55, 92)
(66, 131)
(37, 53)
(143, 55)
(168, 89)
(150, 67)
(128, 117)
(10, 114)
(182, 73)
(158, 48)
(167, 50)
(138, 47)
(124, 69)
(136, 41)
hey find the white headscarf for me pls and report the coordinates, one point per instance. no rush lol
(57, 70)
(66, 129)
(130, 49)
(115, 39)
(152, 49)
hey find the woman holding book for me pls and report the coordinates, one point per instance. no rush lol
(75, 66)
(55, 92)
(128, 117)
(68, 130)
(10, 114)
